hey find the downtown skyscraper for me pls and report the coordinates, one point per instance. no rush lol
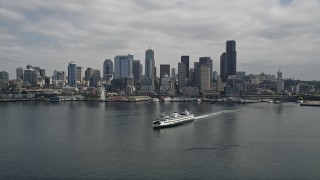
(123, 66)
(149, 64)
(205, 75)
(182, 75)
(72, 74)
(164, 69)
(31, 76)
(223, 67)
(231, 58)
(228, 61)
(4, 75)
(107, 69)
(79, 74)
(185, 61)
(136, 70)
(19, 73)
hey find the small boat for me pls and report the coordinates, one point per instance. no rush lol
(173, 120)
(155, 99)
(276, 102)
(299, 101)
(166, 99)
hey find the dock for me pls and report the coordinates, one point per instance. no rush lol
(311, 103)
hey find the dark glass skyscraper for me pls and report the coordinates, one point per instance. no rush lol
(164, 69)
(223, 67)
(149, 64)
(196, 74)
(185, 61)
(231, 58)
(107, 69)
(182, 75)
(88, 73)
(136, 70)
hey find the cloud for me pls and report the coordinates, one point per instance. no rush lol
(269, 33)
(8, 15)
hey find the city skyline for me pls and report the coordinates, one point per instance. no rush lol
(269, 34)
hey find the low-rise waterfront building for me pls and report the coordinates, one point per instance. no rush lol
(190, 91)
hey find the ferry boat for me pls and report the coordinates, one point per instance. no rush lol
(173, 120)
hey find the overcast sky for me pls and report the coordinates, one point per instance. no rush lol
(269, 33)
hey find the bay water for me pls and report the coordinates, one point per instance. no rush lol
(91, 140)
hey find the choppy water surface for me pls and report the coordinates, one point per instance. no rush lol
(88, 140)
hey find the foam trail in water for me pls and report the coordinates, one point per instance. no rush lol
(213, 114)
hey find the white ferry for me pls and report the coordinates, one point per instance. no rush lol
(173, 120)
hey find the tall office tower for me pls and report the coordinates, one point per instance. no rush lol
(185, 61)
(95, 78)
(173, 72)
(72, 74)
(29, 66)
(149, 64)
(59, 75)
(231, 58)
(123, 66)
(107, 69)
(205, 83)
(196, 75)
(164, 69)
(88, 73)
(215, 76)
(79, 74)
(155, 72)
(141, 70)
(42, 73)
(191, 77)
(280, 82)
(165, 84)
(208, 61)
(31, 76)
(182, 75)
(19, 73)
(4, 75)
(223, 67)
(96, 73)
(48, 80)
(136, 70)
